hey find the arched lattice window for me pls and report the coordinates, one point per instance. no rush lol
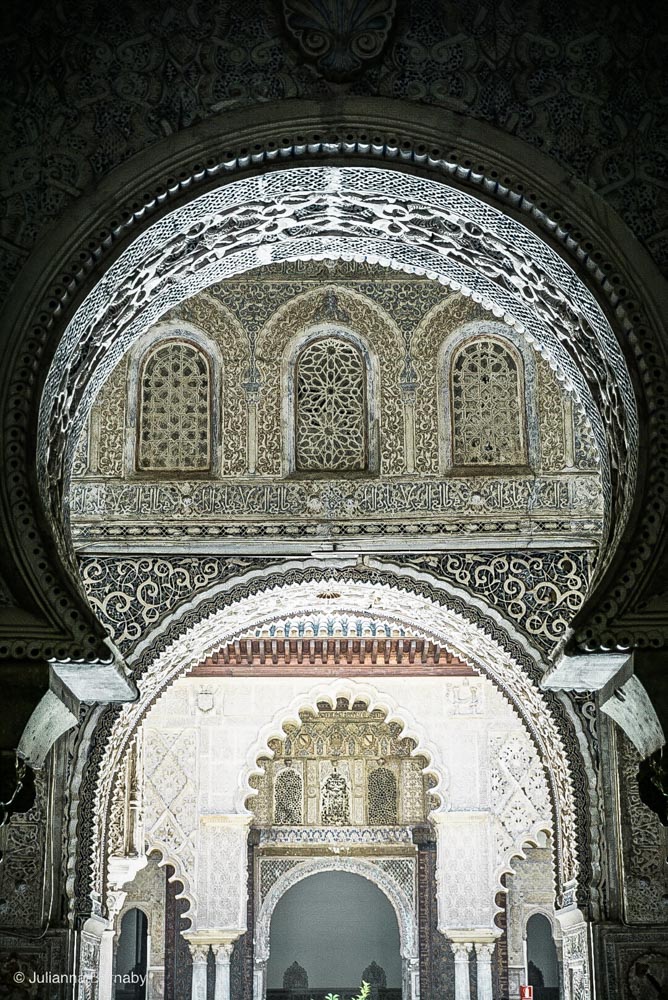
(288, 799)
(175, 410)
(331, 407)
(488, 410)
(382, 797)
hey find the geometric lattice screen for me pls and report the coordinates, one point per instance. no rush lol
(331, 414)
(487, 406)
(174, 410)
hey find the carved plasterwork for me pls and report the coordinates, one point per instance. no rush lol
(106, 432)
(147, 893)
(519, 796)
(385, 879)
(328, 204)
(341, 767)
(228, 334)
(467, 639)
(23, 841)
(341, 40)
(488, 511)
(645, 846)
(309, 310)
(539, 593)
(170, 805)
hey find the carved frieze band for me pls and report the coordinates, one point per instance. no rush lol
(452, 498)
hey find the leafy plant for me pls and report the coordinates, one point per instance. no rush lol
(362, 995)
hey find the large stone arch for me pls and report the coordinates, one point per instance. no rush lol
(598, 247)
(464, 625)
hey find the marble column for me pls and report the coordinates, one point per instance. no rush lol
(200, 954)
(483, 955)
(223, 953)
(461, 950)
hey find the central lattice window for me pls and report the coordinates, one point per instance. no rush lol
(487, 406)
(174, 410)
(331, 408)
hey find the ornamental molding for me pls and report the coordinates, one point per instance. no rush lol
(482, 160)
(403, 906)
(460, 623)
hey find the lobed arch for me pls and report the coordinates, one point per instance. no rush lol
(329, 692)
(480, 636)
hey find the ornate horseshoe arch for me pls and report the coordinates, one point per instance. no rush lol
(481, 167)
(462, 624)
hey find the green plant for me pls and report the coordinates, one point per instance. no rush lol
(363, 993)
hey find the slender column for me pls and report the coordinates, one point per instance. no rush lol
(483, 955)
(223, 953)
(462, 950)
(200, 954)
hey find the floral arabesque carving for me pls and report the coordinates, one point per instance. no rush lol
(342, 39)
(539, 593)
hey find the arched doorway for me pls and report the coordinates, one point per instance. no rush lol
(132, 957)
(306, 927)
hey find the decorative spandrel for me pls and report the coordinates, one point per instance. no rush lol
(174, 410)
(487, 407)
(331, 417)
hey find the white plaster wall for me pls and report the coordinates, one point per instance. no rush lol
(489, 771)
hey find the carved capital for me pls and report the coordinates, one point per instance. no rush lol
(461, 950)
(199, 952)
(223, 952)
(484, 953)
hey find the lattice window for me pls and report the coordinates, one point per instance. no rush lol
(174, 410)
(331, 408)
(335, 801)
(487, 406)
(288, 799)
(382, 798)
